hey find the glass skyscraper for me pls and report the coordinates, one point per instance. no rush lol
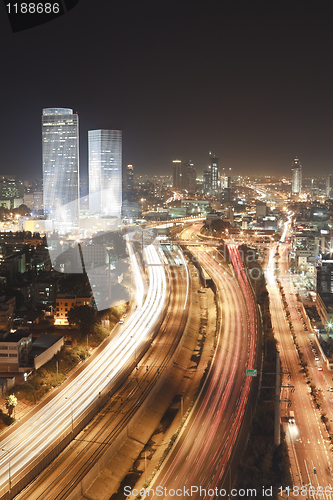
(105, 172)
(60, 135)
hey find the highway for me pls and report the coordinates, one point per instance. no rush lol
(307, 437)
(24, 444)
(201, 454)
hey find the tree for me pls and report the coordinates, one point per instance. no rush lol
(10, 403)
(82, 316)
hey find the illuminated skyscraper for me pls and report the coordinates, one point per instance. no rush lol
(215, 173)
(296, 177)
(60, 135)
(105, 172)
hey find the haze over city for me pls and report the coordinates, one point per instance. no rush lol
(250, 81)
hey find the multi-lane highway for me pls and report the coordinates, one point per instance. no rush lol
(25, 444)
(201, 454)
(65, 475)
(310, 458)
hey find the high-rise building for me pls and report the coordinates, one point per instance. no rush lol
(190, 176)
(296, 177)
(105, 172)
(177, 174)
(207, 181)
(329, 186)
(215, 173)
(184, 176)
(60, 135)
(129, 182)
(211, 177)
(225, 186)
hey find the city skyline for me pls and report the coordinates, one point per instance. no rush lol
(249, 82)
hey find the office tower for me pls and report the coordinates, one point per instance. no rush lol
(184, 176)
(207, 181)
(60, 135)
(9, 187)
(190, 177)
(225, 183)
(215, 173)
(129, 182)
(105, 172)
(177, 174)
(329, 186)
(296, 177)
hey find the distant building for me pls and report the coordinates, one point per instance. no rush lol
(296, 177)
(211, 177)
(10, 188)
(207, 181)
(184, 176)
(60, 134)
(215, 173)
(129, 182)
(132, 211)
(105, 172)
(261, 209)
(329, 186)
(225, 188)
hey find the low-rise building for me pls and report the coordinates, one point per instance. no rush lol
(14, 350)
(64, 302)
(44, 348)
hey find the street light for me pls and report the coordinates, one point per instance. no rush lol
(71, 402)
(9, 475)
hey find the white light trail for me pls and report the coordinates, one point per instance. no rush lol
(45, 428)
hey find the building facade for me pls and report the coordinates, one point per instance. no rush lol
(296, 177)
(215, 173)
(129, 182)
(184, 176)
(64, 302)
(60, 136)
(105, 172)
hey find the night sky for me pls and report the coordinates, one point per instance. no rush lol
(250, 81)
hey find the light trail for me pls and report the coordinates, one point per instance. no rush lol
(30, 441)
(203, 449)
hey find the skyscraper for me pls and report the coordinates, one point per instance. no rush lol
(177, 174)
(296, 177)
(105, 172)
(184, 176)
(215, 173)
(207, 181)
(129, 182)
(225, 185)
(329, 186)
(60, 136)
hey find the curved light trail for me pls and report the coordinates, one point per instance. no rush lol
(201, 454)
(45, 428)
